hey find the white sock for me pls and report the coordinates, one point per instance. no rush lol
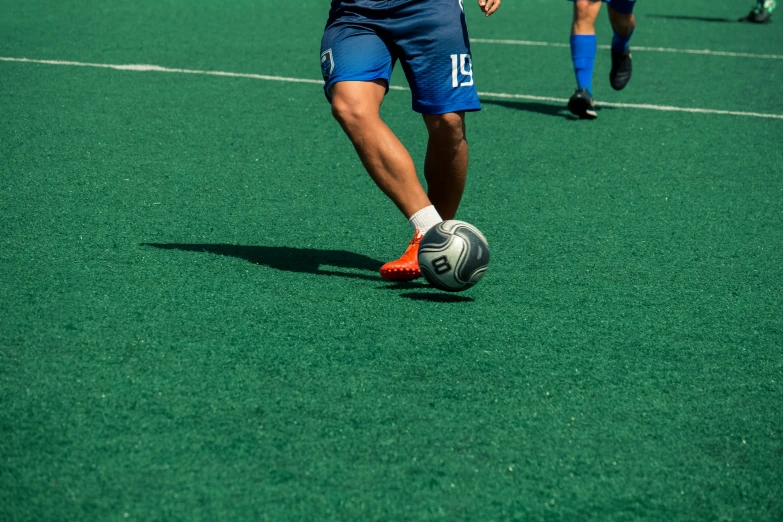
(425, 219)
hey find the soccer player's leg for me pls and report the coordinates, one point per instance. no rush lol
(583, 51)
(761, 13)
(445, 168)
(623, 24)
(356, 65)
(356, 106)
(435, 55)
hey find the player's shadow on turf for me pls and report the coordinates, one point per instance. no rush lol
(437, 298)
(307, 260)
(310, 260)
(541, 108)
(694, 18)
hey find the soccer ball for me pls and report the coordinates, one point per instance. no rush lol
(453, 255)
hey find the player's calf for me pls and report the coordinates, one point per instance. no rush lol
(446, 163)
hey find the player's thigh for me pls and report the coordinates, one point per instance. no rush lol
(351, 52)
(431, 40)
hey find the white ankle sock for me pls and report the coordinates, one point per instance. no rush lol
(425, 219)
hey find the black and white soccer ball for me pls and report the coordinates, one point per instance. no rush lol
(453, 255)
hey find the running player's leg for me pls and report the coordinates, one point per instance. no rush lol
(356, 64)
(623, 24)
(583, 51)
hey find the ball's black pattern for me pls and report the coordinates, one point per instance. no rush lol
(475, 259)
(453, 256)
(434, 281)
(436, 238)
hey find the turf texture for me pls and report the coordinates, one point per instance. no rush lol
(192, 326)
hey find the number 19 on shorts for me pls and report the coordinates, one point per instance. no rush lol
(461, 65)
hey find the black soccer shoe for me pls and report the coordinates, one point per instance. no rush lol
(581, 104)
(757, 16)
(621, 70)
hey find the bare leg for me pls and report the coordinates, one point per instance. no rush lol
(356, 105)
(446, 164)
(623, 24)
(585, 14)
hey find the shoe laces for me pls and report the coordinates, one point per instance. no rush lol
(415, 241)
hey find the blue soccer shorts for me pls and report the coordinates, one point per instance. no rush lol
(621, 6)
(363, 40)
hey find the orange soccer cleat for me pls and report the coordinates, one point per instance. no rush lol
(406, 268)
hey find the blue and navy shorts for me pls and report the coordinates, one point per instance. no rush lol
(363, 40)
(621, 6)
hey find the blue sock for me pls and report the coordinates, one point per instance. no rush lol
(583, 49)
(620, 44)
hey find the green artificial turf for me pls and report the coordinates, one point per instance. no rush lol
(192, 326)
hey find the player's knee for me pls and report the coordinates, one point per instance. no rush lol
(586, 11)
(348, 112)
(446, 128)
(343, 110)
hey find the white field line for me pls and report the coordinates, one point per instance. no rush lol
(634, 48)
(157, 68)
(666, 108)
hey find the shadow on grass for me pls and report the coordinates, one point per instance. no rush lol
(437, 297)
(307, 260)
(404, 285)
(694, 18)
(310, 260)
(550, 109)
